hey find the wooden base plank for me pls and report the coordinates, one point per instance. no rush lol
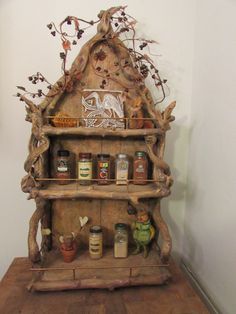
(107, 272)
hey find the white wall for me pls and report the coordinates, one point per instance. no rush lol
(27, 47)
(210, 237)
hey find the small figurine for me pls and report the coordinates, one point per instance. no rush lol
(143, 232)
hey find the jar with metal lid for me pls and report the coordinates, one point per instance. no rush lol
(121, 241)
(140, 168)
(85, 168)
(122, 169)
(103, 168)
(62, 166)
(95, 242)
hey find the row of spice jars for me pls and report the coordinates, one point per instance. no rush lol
(85, 168)
(120, 241)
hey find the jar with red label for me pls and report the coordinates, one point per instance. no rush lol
(140, 168)
(103, 168)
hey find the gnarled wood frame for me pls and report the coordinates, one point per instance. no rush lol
(131, 83)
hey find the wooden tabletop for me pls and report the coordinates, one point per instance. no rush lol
(178, 297)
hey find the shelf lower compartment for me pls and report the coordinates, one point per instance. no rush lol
(111, 191)
(107, 272)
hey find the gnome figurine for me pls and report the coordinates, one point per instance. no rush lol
(143, 232)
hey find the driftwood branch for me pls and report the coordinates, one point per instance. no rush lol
(158, 163)
(38, 144)
(34, 252)
(48, 130)
(100, 283)
(46, 223)
(166, 115)
(163, 228)
(53, 193)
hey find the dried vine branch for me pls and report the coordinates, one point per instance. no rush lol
(113, 23)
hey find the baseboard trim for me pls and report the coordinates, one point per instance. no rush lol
(197, 286)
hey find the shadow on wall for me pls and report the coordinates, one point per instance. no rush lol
(173, 207)
(191, 246)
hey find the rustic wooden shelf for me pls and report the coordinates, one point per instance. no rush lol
(76, 100)
(107, 272)
(81, 131)
(112, 191)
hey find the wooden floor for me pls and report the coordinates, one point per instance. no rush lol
(178, 297)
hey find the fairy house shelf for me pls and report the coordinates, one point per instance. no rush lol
(100, 105)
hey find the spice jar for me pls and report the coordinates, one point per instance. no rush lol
(95, 242)
(122, 168)
(103, 168)
(121, 241)
(62, 166)
(85, 168)
(140, 168)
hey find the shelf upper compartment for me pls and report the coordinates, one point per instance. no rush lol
(81, 131)
(111, 191)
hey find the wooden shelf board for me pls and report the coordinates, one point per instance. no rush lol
(107, 272)
(111, 191)
(81, 131)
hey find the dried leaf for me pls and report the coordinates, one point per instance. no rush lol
(20, 87)
(66, 45)
(76, 22)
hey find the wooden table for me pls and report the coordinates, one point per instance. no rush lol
(178, 297)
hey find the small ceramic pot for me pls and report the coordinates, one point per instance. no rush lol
(68, 255)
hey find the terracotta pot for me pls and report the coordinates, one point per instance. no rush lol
(68, 255)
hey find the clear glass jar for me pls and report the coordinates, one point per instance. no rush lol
(121, 241)
(95, 242)
(103, 168)
(140, 168)
(63, 166)
(122, 169)
(85, 168)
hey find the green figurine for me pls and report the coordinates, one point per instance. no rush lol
(143, 232)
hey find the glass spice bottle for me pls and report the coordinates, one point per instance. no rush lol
(121, 241)
(103, 168)
(95, 242)
(122, 169)
(63, 167)
(140, 168)
(85, 168)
